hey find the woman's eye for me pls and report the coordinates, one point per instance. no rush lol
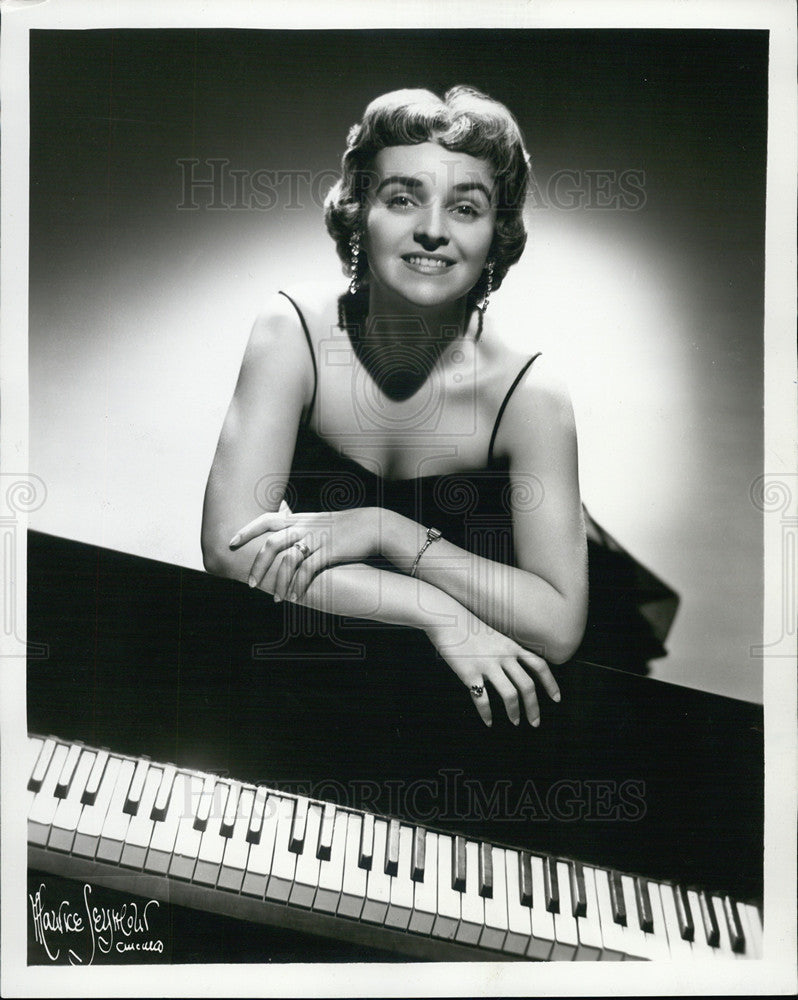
(399, 201)
(467, 211)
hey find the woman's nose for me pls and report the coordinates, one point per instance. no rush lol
(432, 230)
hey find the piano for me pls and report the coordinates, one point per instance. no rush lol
(179, 752)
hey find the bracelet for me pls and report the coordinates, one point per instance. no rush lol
(432, 536)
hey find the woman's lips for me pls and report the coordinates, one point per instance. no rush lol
(427, 265)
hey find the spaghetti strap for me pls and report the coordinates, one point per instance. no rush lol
(505, 401)
(312, 355)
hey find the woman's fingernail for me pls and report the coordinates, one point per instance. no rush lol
(536, 722)
(516, 722)
(292, 596)
(488, 722)
(235, 540)
(277, 598)
(557, 697)
(252, 581)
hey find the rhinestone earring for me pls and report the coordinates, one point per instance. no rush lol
(483, 305)
(354, 257)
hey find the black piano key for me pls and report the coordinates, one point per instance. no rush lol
(67, 771)
(485, 870)
(42, 764)
(683, 913)
(230, 810)
(418, 861)
(392, 848)
(458, 863)
(643, 900)
(366, 852)
(324, 848)
(551, 886)
(734, 924)
(89, 796)
(299, 825)
(616, 898)
(164, 796)
(133, 800)
(708, 918)
(576, 875)
(525, 877)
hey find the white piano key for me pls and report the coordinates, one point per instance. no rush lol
(324, 846)
(164, 834)
(447, 919)
(90, 824)
(752, 926)
(331, 869)
(366, 841)
(141, 826)
(114, 831)
(472, 905)
(68, 770)
(42, 765)
(164, 793)
(701, 947)
(65, 821)
(543, 937)
(724, 946)
(256, 819)
(400, 907)
(678, 949)
(188, 838)
(136, 786)
(658, 937)
(211, 848)
(42, 810)
(95, 778)
(230, 810)
(32, 753)
(205, 804)
(639, 944)
(612, 934)
(494, 933)
(591, 945)
(281, 877)
(306, 876)
(353, 888)
(519, 916)
(378, 883)
(236, 850)
(261, 851)
(296, 841)
(425, 891)
(565, 930)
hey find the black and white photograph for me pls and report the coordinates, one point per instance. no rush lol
(399, 494)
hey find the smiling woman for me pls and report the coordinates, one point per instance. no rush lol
(386, 455)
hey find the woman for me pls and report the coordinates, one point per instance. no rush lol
(414, 469)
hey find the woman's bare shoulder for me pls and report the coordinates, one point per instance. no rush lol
(316, 301)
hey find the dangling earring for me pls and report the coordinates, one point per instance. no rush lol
(354, 256)
(483, 305)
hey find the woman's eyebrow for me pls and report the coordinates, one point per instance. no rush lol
(411, 182)
(465, 186)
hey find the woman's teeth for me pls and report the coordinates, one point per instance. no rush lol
(438, 265)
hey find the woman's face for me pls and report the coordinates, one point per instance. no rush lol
(429, 223)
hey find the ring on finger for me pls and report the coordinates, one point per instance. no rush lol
(303, 548)
(477, 690)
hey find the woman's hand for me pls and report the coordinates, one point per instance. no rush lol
(299, 546)
(480, 655)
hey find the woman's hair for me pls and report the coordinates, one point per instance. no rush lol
(465, 121)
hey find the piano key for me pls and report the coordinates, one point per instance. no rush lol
(519, 920)
(32, 754)
(400, 906)
(619, 914)
(95, 778)
(164, 792)
(551, 889)
(643, 905)
(296, 842)
(114, 831)
(392, 848)
(708, 919)
(211, 848)
(41, 765)
(331, 868)
(264, 820)
(90, 824)
(725, 948)
(236, 850)
(494, 933)
(139, 831)
(576, 880)
(306, 876)
(701, 947)
(639, 943)
(752, 925)
(458, 863)
(230, 810)
(378, 883)
(612, 933)
(543, 937)
(164, 834)
(684, 912)
(566, 935)
(679, 948)
(472, 905)
(525, 878)
(425, 891)
(485, 869)
(189, 836)
(324, 846)
(67, 770)
(734, 925)
(67, 814)
(131, 805)
(281, 877)
(353, 888)
(204, 802)
(589, 926)
(42, 810)
(366, 841)
(418, 863)
(657, 937)
(448, 915)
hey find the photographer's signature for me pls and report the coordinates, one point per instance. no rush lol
(92, 929)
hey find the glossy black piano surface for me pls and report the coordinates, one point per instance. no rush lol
(151, 659)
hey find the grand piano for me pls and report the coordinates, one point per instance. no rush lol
(326, 809)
